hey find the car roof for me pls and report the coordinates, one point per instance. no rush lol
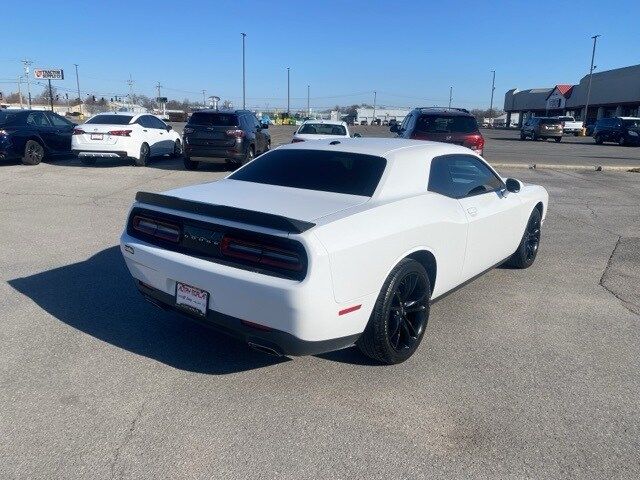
(326, 122)
(454, 112)
(223, 111)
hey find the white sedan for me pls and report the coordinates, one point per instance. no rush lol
(321, 130)
(316, 246)
(124, 135)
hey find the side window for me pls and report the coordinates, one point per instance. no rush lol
(37, 119)
(405, 122)
(157, 123)
(256, 122)
(57, 120)
(144, 121)
(460, 176)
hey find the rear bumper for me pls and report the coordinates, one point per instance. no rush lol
(99, 153)
(204, 152)
(274, 341)
(293, 317)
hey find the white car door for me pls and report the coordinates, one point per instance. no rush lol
(149, 134)
(164, 138)
(493, 213)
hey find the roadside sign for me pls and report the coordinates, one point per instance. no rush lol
(161, 99)
(48, 73)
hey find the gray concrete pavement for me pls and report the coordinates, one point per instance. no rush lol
(522, 374)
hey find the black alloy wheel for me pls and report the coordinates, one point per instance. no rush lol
(144, 155)
(527, 250)
(33, 153)
(399, 318)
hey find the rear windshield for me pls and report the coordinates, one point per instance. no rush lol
(633, 123)
(322, 129)
(446, 124)
(214, 119)
(111, 119)
(7, 118)
(337, 172)
(549, 121)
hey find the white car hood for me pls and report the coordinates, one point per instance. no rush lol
(298, 204)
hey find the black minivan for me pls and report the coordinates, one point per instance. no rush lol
(236, 136)
(621, 130)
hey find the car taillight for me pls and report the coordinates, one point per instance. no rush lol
(296, 140)
(475, 143)
(237, 133)
(78, 131)
(120, 133)
(188, 130)
(156, 228)
(261, 254)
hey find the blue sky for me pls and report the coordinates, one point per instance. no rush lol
(409, 52)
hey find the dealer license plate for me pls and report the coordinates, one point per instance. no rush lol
(191, 299)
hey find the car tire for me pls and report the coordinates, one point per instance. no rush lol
(558, 139)
(527, 251)
(250, 155)
(177, 149)
(534, 136)
(598, 139)
(33, 153)
(88, 161)
(622, 141)
(142, 160)
(190, 164)
(522, 136)
(400, 315)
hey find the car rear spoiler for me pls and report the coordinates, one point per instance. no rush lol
(260, 219)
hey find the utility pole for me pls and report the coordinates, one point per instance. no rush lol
(288, 92)
(375, 94)
(27, 64)
(450, 95)
(20, 91)
(130, 83)
(493, 87)
(586, 105)
(78, 85)
(164, 108)
(244, 85)
(50, 95)
(308, 109)
(204, 99)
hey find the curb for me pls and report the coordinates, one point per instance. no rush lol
(549, 166)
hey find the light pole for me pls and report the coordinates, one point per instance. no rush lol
(20, 91)
(493, 87)
(27, 64)
(586, 105)
(244, 98)
(450, 95)
(204, 99)
(288, 92)
(375, 95)
(308, 109)
(78, 85)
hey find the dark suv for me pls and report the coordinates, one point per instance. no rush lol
(622, 130)
(236, 136)
(542, 128)
(448, 125)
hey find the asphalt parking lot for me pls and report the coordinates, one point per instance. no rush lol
(522, 374)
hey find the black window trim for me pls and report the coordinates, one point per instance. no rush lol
(495, 190)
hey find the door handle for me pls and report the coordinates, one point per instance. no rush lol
(473, 211)
(144, 129)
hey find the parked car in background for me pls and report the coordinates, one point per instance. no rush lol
(542, 128)
(320, 130)
(316, 246)
(439, 124)
(31, 135)
(236, 136)
(621, 130)
(124, 135)
(570, 125)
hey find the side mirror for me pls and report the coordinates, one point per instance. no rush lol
(394, 128)
(356, 135)
(513, 185)
(169, 127)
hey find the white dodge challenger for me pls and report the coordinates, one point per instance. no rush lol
(315, 246)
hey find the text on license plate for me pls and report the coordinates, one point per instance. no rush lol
(192, 299)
